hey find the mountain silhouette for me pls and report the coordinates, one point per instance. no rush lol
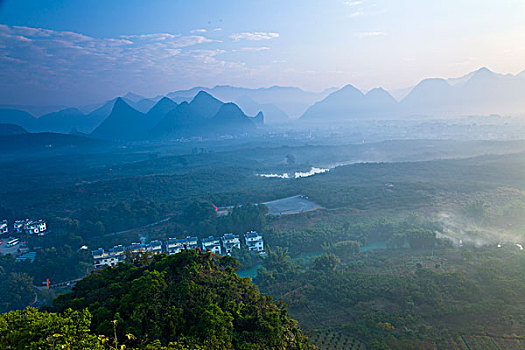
(63, 121)
(230, 119)
(159, 111)
(180, 121)
(350, 103)
(205, 116)
(124, 123)
(205, 105)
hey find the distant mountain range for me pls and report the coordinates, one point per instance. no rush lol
(194, 111)
(203, 116)
(481, 92)
(278, 103)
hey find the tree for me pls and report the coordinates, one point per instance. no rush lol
(198, 211)
(326, 262)
(420, 238)
(278, 260)
(31, 329)
(344, 248)
(246, 257)
(16, 291)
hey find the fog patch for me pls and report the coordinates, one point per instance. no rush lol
(463, 232)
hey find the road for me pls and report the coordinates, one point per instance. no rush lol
(138, 228)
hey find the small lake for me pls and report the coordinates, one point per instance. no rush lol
(296, 175)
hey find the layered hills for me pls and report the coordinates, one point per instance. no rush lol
(203, 116)
(194, 112)
(117, 119)
(480, 92)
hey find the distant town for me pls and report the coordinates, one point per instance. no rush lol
(14, 245)
(223, 245)
(28, 226)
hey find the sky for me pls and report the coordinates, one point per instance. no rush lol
(74, 52)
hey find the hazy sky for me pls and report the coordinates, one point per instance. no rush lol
(82, 51)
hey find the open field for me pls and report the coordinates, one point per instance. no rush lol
(291, 205)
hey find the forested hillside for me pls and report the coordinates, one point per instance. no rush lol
(183, 301)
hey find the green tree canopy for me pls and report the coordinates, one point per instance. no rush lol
(187, 297)
(31, 329)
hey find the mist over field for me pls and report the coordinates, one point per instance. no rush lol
(262, 175)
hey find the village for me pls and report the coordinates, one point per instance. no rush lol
(223, 245)
(28, 226)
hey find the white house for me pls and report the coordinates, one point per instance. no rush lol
(18, 226)
(212, 244)
(33, 227)
(191, 242)
(173, 246)
(254, 241)
(222, 245)
(4, 227)
(137, 248)
(230, 241)
(103, 259)
(112, 257)
(154, 247)
(176, 245)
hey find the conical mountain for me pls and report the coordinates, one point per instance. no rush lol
(159, 111)
(124, 123)
(379, 103)
(231, 119)
(339, 105)
(380, 96)
(428, 97)
(180, 121)
(97, 116)
(205, 104)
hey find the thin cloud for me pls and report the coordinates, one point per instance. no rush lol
(155, 36)
(254, 36)
(352, 3)
(199, 31)
(253, 49)
(370, 34)
(356, 14)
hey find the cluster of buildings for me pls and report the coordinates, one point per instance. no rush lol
(223, 245)
(29, 226)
